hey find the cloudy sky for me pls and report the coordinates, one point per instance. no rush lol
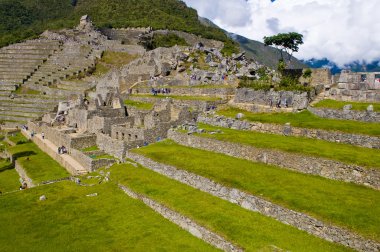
(341, 30)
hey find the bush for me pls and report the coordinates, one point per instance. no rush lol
(168, 40)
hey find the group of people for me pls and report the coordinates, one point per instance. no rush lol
(160, 91)
(62, 150)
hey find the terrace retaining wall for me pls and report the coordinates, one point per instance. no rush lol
(306, 164)
(256, 204)
(364, 116)
(288, 130)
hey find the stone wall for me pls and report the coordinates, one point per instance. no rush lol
(288, 130)
(209, 92)
(295, 100)
(364, 116)
(306, 164)
(257, 204)
(354, 95)
(64, 136)
(184, 222)
(89, 163)
(23, 175)
(111, 146)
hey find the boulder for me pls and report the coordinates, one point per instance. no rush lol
(239, 116)
(42, 198)
(370, 108)
(347, 107)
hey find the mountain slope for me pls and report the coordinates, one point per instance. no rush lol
(265, 55)
(20, 19)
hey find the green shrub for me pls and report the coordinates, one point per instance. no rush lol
(169, 40)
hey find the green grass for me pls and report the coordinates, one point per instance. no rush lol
(117, 59)
(332, 104)
(104, 156)
(25, 90)
(38, 165)
(17, 138)
(70, 221)
(139, 105)
(335, 151)
(100, 69)
(91, 148)
(348, 205)
(180, 97)
(249, 230)
(9, 179)
(305, 119)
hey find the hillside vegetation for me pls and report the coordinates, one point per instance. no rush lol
(21, 19)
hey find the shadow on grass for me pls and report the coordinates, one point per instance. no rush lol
(6, 167)
(23, 154)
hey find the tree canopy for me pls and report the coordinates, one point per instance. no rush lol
(285, 42)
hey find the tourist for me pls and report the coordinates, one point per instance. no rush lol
(59, 150)
(43, 135)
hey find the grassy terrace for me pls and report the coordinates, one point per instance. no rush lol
(305, 119)
(139, 105)
(70, 221)
(38, 165)
(349, 205)
(335, 151)
(180, 97)
(249, 230)
(9, 179)
(332, 104)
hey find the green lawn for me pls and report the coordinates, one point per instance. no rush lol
(348, 205)
(17, 138)
(38, 165)
(335, 151)
(70, 221)
(91, 148)
(305, 119)
(9, 179)
(139, 105)
(249, 230)
(179, 97)
(332, 104)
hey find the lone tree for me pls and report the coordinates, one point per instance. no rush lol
(286, 43)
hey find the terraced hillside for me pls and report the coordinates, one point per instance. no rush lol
(236, 184)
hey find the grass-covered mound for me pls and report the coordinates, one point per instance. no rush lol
(306, 119)
(352, 206)
(20, 19)
(70, 221)
(249, 230)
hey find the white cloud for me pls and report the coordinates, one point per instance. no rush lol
(341, 30)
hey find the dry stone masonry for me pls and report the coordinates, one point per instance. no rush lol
(288, 130)
(306, 164)
(184, 222)
(253, 203)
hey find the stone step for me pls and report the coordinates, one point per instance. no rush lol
(37, 51)
(12, 65)
(34, 46)
(17, 107)
(26, 104)
(21, 61)
(9, 117)
(16, 69)
(20, 113)
(5, 92)
(13, 80)
(30, 99)
(9, 87)
(23, 56)
(7, 76)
